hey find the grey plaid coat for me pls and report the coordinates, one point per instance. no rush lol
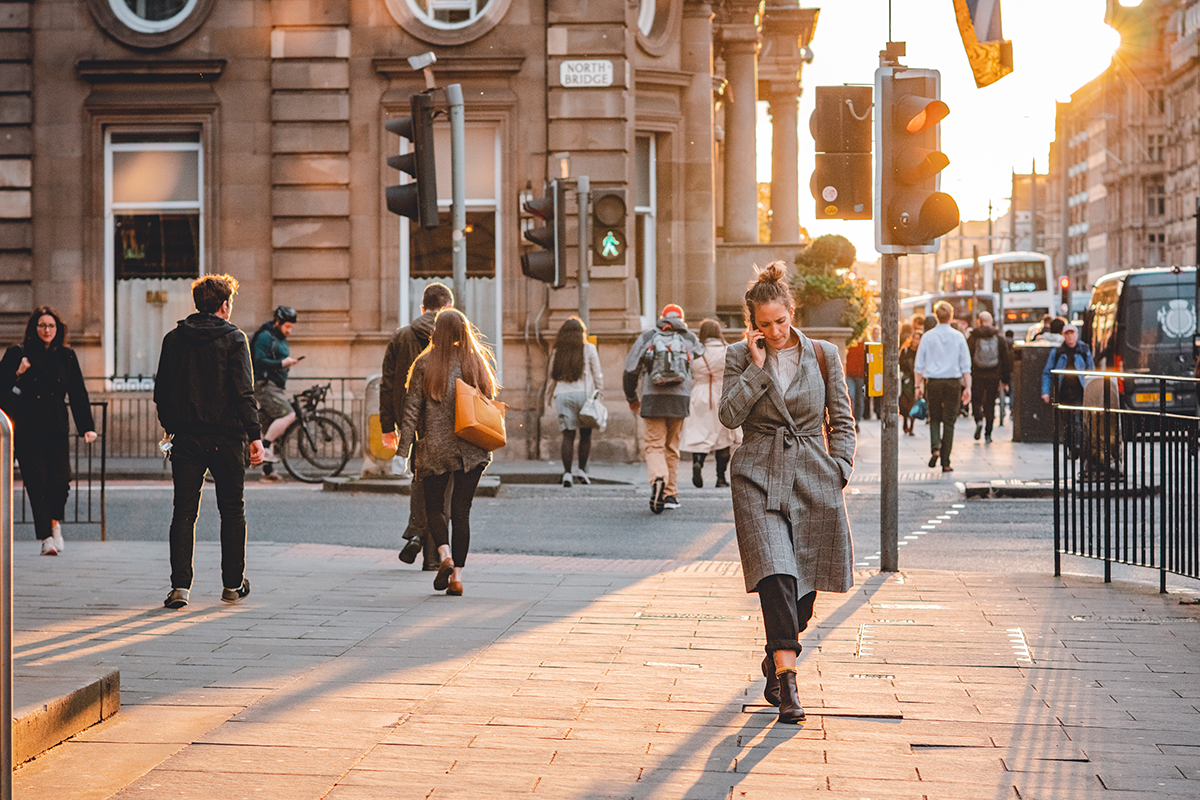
(787, 490)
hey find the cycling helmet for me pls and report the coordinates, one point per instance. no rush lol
(285, 314)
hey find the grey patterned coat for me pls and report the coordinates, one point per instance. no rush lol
(787, 490)
(438, 447)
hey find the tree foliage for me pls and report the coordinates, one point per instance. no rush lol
(822, 273)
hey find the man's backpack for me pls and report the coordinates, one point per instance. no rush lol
(668, 358)
(987, 352)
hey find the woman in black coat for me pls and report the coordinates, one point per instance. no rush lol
(36, 377)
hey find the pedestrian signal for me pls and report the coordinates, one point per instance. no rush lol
(841, 131)
(416, 199)
(549, 264)
(608, 226)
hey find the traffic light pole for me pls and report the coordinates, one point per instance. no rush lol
(889, 496)
(458, 202)
(583, 189)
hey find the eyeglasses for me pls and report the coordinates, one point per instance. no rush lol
(47, 325)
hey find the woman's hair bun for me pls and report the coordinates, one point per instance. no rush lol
(775, 271)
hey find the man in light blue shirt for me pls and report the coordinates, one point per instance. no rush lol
(943, 378)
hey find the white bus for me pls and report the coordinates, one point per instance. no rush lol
(1022, 282)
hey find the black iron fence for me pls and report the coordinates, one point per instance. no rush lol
(1126, 485)
(86, 504)
(134, 429)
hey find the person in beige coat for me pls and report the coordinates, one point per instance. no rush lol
(427, 430)
(703, 432)
(792, 530)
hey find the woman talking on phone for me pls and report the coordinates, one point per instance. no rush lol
(787, 477)
(36, 377)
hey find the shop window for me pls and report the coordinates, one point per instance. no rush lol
(154, 241)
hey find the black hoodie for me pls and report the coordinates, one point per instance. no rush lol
(204, 383)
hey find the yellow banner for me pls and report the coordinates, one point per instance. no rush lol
(990, 61)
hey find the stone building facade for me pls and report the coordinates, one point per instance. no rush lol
(145, 142)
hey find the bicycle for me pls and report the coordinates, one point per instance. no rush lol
(314, 447)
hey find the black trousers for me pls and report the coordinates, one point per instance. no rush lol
(984, 391)
(461, 497)
(225, 458)
(45, 460)
(944, 397)
(785, 616)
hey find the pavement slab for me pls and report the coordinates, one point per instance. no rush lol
(344, 676)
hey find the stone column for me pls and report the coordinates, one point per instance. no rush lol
(785, 156)
(739, 39)
(786, 32)
(699, 261)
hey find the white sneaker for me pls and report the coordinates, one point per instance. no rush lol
(48, 548)
(567, 480)
(56, 535)
(582, 478)
(269, 454)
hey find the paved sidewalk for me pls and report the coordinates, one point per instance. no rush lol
(344, 676)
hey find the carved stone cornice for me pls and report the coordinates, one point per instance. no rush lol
(146, 71)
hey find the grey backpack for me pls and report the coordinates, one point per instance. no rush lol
(668, 358)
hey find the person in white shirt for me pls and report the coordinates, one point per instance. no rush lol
(574, 376)
(943, 377)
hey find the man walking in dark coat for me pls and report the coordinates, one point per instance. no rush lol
(991, 368)
(204, 391)
(406, 344)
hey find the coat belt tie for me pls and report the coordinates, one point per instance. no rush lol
(784, 459)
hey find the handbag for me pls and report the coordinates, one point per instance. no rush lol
(478, 419)
(919, 409)
(593, 413)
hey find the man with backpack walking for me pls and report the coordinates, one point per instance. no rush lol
(991, 368)
(659, 364)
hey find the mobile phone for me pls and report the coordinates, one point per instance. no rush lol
(762, 343)
(300, 358)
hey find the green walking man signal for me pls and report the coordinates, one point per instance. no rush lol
(610, 246)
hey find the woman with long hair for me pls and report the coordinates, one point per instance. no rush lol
(908, 379)
(796, 456)
(454, 352)
(36, 377)
(575, 374)
(703, 433)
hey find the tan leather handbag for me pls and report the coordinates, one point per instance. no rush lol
(478, 419)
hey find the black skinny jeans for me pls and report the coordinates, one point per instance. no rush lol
(45, 461)
(461, 497)
(225, 458)
(785, 616)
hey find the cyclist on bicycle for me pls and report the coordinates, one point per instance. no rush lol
(272, 359)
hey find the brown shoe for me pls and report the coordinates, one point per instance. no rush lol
(454, 588)
(445, 570)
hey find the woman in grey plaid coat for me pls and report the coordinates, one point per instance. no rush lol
(792, 529)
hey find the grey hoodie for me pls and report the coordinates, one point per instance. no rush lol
(659, 401)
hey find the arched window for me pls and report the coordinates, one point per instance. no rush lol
(447, 22)
(152, 16)
(150, 24)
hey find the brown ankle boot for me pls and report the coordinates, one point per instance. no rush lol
(790, 712)
(771, 692)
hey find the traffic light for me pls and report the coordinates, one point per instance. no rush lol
(910, 211)
(416, 199)
(608, 226)
(841, 131)
(550, 263)
(1064, 284)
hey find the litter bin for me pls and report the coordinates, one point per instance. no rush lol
(1032, 419)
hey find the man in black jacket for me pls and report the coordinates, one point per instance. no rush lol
(406, 344)
(204, 391)
(991, 369)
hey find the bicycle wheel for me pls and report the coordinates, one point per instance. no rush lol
(314, 449)
(347, 425)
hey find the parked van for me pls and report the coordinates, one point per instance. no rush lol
(1144, 320)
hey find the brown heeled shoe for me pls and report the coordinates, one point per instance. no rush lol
(454, 588)
(790, 711)
(445, 570)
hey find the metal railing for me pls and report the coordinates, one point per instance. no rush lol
(133, 419)
(1126, 480)
(89, 470)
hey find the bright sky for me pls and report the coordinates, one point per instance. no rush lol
(1058, 45)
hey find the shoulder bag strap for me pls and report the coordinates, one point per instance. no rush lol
(824, 367)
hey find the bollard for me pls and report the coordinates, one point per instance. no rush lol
(6, 606)
(377, 459)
